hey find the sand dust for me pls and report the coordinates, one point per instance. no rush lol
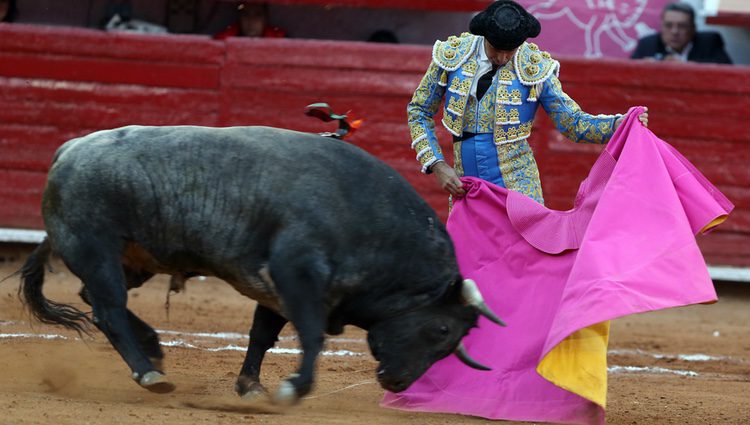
(682, 366)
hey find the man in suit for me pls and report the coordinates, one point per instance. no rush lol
(679, 41)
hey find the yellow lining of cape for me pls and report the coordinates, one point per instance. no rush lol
(715, 222)
(579, 363)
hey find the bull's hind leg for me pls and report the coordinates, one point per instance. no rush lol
(301, 276)
(101, 271)
(149, 340)
(146, 335)
(263, 335)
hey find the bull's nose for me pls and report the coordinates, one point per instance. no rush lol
(396, 386)
(393, 384)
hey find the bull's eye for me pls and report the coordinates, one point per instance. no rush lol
(439, 332)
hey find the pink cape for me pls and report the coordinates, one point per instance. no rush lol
(628, 246)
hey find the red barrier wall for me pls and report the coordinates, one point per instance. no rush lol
(59, 83)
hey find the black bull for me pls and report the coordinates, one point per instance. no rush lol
(316, 230)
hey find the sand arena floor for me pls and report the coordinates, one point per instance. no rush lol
(683, 366)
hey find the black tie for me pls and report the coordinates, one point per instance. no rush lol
(485, 81)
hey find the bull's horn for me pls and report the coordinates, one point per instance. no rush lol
(473, 297)
(467, 360)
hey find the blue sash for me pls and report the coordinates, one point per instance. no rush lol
(479, 158)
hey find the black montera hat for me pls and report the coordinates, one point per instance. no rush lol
(505, 24)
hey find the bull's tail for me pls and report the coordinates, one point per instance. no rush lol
(46, 311)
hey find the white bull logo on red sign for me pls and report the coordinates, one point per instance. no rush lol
(618, 19)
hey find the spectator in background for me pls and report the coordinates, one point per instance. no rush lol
(383, 36)
(118, 16)
(252, 21)
(120, 8)
(8, 10)
(678, 39)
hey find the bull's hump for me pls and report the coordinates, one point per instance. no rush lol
(149, 140)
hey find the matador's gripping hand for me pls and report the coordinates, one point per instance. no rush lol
(448, 178)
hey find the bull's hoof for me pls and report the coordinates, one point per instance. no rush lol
(286, 394)
(156, 382)
(249, 388)
(252, 391)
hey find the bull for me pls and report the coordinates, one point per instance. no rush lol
(320, 233)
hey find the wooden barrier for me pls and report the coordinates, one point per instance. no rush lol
(61, 83)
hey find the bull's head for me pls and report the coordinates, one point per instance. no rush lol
(407, 345)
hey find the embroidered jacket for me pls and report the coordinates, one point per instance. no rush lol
(507, 110)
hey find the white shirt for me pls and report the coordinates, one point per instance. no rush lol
(681, 56)
(484, 66)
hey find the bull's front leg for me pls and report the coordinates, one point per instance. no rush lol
(308, 318)
(263, 335)
(301, 277)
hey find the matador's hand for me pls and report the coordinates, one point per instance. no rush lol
(448, 178)
(643, 118)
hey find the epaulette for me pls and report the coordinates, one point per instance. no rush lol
(453, 52)
(534, 66)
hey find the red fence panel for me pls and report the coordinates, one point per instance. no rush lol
(60, 83)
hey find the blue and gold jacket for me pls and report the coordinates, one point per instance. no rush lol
(526, 81)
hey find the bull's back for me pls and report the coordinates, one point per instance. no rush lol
(185, 151)
(237, 163)
(206, 195)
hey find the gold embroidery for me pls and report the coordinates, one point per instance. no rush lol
(572, 122)
(470, 113)
(525, 128)
(460, 86)
(453, 125)
(532, 65)
(582, 126)
(451, 54)
(594, 136)
(500, 135)
(503, 97)
(506, 75)
(421, 145)
(455, 83)
(470, 68)
(502, 115)
(465, 86)
(485, 122)
(457, 159)
(515, 97)
(514, 115)
(423, 98)
(427, 157)
(519, 169)
(456, 105)
(532, 94)
(417, 131)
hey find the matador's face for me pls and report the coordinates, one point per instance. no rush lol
(498, 57)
